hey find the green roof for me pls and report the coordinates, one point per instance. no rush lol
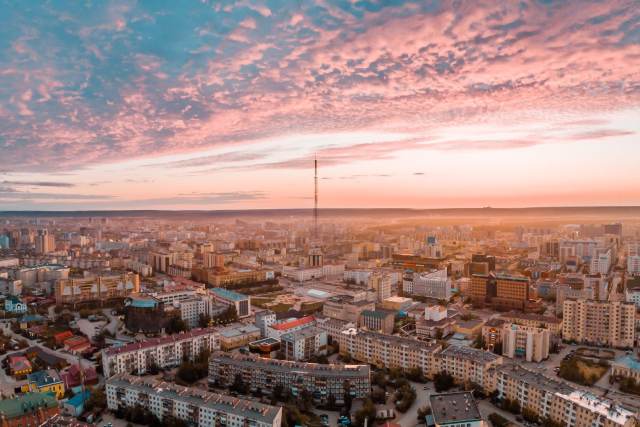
(27, 403)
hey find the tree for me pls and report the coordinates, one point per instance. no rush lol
(530, 415)
(367, 412)
(498, 420)
(478, 342)
(97, 400)
(416, 375)
(203, 320)
(404, 397)
(443, 381)
(176, 325)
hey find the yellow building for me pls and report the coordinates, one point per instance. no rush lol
(45, 381)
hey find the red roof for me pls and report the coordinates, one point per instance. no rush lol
(292, 324)
(62, 336)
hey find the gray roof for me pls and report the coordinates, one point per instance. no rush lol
(469, 353)
(245, 408)
(534, 378)
(274, 365)
(454, 407)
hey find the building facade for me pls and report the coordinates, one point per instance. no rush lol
(164, 352)
(263, 374)
(601, 323)
(96, 288)
(194, 406)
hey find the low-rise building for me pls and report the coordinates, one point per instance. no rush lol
(30, 409)
(237, 336)
(552, 323)
(45, 381)
(194, 406)
(19, 366)
(277, 330)
(457, 409)
(163, 352)
(627, 366)
(322, 381)
(346, 307)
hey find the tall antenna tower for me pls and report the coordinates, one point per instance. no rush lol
(315, 198)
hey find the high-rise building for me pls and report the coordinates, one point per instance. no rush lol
(530, 343)
(381, 283)
(45, 242)
(606, 323)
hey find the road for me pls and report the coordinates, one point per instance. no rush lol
(410, 418)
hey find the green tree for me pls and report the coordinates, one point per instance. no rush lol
(367, 412)
(443, 381)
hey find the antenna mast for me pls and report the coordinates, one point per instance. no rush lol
(315, 199)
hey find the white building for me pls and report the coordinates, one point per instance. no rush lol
(433, 284)
(381, 283)
(359, 277)
(530, 343)
(277, 330)
(264, 319)
(304, 343)
(633, 264)
(195, 406)
(601, 263)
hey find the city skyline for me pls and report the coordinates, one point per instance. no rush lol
(225, 105)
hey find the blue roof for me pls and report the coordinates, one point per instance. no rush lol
(629, 361)
(31, 318)
(143, 302)
(229, 295)
(79, 399)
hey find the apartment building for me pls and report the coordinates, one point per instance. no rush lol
(388, 350)
(194, 406)
(605, 323)
(556, 400)
(322, 381)
(163, 352)
(96, 288)
(302, 344)
(466, 364)
(528, 342)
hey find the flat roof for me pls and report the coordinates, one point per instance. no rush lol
(454, 407)
(222, 403)
(134, 346)
(469, 353)
(289, 366)
(229, 295)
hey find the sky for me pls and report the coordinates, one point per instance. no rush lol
(225, 104)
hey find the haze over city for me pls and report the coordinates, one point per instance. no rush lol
(320, 213)
(223, 105)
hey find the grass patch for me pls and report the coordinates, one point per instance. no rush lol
(583, 371)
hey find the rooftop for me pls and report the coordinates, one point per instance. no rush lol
(454, 407)
(469, 353)
(236, 331)
(218, 402)
(534, 378)
(44, 378)
(293, 323)
(26, 403)
(628, 361)
(264, 364)
(159, 341)
(307, 332)
(605, 408)
(229, 295)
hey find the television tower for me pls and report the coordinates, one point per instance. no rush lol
(315, 198)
